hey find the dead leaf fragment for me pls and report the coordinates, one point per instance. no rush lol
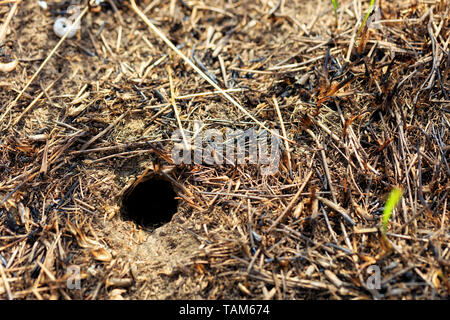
(116, 294)
(244, 289)
(118, 282)
(101, 254)
(333, 278)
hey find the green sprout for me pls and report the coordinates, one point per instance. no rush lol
(391, 202)
(335, 6)
(372, 2)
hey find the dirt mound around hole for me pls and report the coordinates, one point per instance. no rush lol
(154, 259)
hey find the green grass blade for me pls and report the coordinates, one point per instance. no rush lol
(393, 199)
(335, 6)
(365, 18)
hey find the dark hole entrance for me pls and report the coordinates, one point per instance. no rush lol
(150, 203)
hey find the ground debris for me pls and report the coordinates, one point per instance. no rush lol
(85, 118)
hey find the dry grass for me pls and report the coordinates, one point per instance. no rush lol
(84, 118)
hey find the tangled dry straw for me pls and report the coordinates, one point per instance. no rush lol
(85, 118)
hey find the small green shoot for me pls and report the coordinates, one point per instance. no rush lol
(335, 6)
(372, 2)
(393, 199)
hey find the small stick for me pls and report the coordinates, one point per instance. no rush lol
(121, 155)
(175, 109)
(44, 165)
(119, 39)
(283, 130)
(156, 115)
(193, 95)
(294, 65)
(119, 146)
(324, 162)
(9, 195)
(327, 222)
(34, 102)
(224, 71)
(116, 12)
(6, 284)
(87, 144)
(351, 44)
(430, 77)
(7, 21)
(336, 208)
(291, 203)
(8, 1)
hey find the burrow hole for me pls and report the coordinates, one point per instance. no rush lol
(150, 203)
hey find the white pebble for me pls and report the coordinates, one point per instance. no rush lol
(62, 26)
(43, 4)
